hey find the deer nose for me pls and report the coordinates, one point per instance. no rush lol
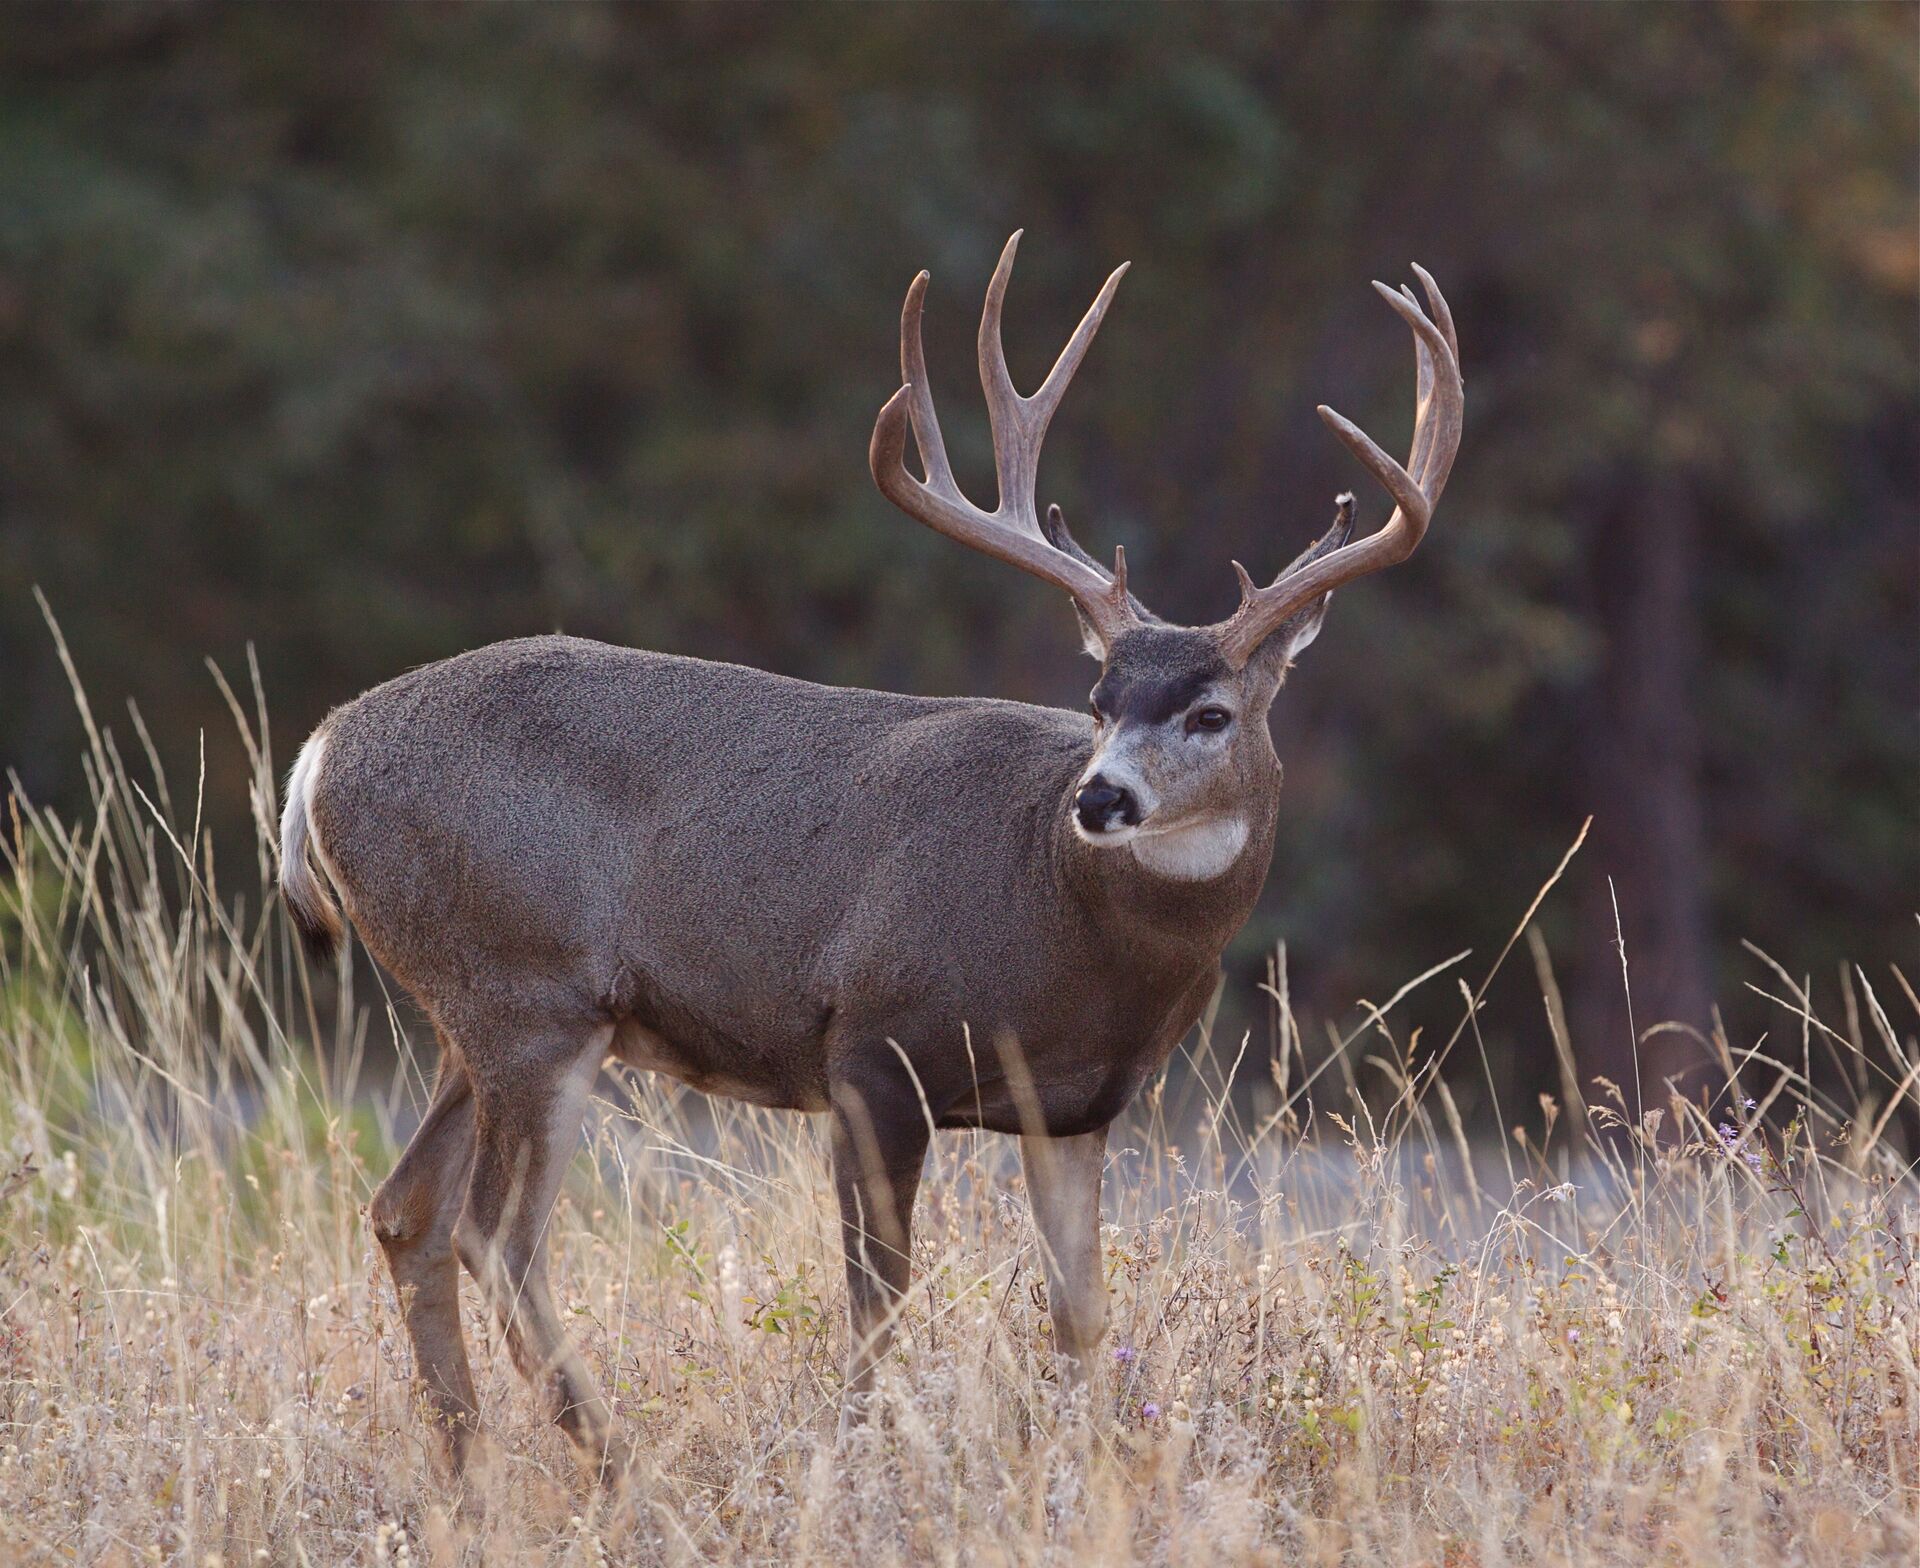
(1101, 805)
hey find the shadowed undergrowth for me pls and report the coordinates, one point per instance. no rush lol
(1342, 1332)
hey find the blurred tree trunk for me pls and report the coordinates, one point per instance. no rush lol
(1642, 765)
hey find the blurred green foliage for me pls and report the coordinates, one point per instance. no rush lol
(367, 334)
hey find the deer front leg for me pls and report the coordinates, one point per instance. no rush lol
(1063, 1184)
(878, 1147)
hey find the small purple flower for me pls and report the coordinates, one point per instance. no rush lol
(1149, 1411)
(1730, 1140)
(1125, 1355)
(1748, 1104)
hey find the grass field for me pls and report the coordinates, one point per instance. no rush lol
(1340, 1335)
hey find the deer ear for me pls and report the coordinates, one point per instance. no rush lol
(1090, 638)
(1057, 535)
(1290, 638)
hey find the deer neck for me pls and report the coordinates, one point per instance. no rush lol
(1190, 888)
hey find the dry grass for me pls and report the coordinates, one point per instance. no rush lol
(1333, 1340)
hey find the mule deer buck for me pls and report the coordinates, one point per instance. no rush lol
(900, 912)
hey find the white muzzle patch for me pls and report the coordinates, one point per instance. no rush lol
(1192, 852)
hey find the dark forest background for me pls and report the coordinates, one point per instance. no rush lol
(365, 335)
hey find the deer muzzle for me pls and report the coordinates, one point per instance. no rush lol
(1103, 806)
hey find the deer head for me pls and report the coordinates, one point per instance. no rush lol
(1181, 742)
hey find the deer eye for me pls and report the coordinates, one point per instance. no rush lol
(1210, 720)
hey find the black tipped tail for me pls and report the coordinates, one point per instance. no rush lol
(321, 940)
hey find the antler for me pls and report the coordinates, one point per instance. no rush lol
(1439, 407)
(1012, 532)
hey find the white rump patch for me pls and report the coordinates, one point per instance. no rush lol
(299, 835)
(1198, 852)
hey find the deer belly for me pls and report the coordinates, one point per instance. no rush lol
(1066, 1103)
(713, 1068)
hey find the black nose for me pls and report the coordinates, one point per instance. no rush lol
(1100, 805)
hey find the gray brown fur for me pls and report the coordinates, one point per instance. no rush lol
(878, 907)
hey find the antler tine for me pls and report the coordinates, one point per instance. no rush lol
(1432, 477)
(1437, 308)
(1430, 349)
(1047, 398)
(1422, 396)
(1017, 474)
(1438, 410)
(1020, 423)
(1409, 500)
(1011, 532)
(913, 375)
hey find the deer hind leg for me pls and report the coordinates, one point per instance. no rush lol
(413, 1215)
(530, 1097)
(878, 1147)
(1063, 1185)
